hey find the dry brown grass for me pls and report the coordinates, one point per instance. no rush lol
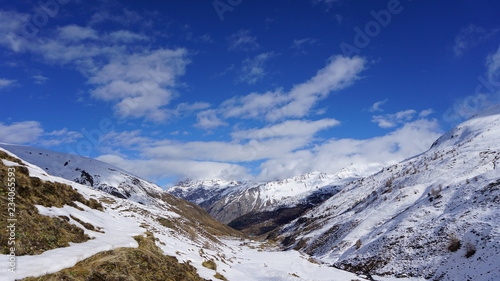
(36, 233)
(146, 262)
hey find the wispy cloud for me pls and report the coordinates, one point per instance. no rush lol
(77, 33)
(340, 72)
(487, 92)
(377, 106)
(253, 69)
(242, 40)
(392, 120)
(39, 79)
(471, 36)
(32, 132)
(300, 46)
(290, 128)
(5, 83)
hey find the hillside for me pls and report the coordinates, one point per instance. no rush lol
(435, 215)
(68, 231)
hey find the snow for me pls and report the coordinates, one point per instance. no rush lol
(87, 171)
(123, 219)
(118, 232)
(452, 189)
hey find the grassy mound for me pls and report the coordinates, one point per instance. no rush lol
(146, 262)
(34, 233)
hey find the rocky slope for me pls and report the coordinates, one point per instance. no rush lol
(436, 215)
(229, 200)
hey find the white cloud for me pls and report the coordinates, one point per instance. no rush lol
(290, 128)
(327, 3)
(425, 113)
(209, 120)
(179, 169)
(301, 45)
(340, 72)
(243, 40)
(124, 17)
(139, 83)
(77, 33)
(4, 83)
(376, 107)
(469, 37)
(487, 93)
(20, 132)
(392, 120)
(363, 154)
(12, 23)
(127, 36)
(58, 137)
(252, 69)
(39, 79)
(282, 151)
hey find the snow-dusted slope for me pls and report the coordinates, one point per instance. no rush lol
(228, 200)
(436, 215)
(181, 230)
(87, 171)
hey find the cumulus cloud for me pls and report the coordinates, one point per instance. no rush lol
(364, 155)
(141, 84)
(138, 81)
(281, 151)
(208, 119)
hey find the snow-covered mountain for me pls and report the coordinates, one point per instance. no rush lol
(228, 200)
(68, 231)
(90, 172)
(436, 215)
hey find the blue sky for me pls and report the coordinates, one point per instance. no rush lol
(244, 89)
